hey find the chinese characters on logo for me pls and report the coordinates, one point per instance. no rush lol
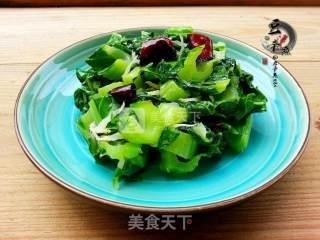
(280, 40)
(163, 222)
(275, 67)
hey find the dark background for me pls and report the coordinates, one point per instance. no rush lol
(50, 3)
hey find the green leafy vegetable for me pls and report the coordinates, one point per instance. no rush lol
(202, 132)
(106, 56)
(172, 113)
(220, 50)
(184, 31)
(178, 112)
(194, 72)
(115, 71)
(143, 124)
(172, 92)
(168, 135)
(170, 163)
(238, 137)
(204, 108)
(183, 146)
(106, 89)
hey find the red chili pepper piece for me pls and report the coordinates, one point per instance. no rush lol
(124, 94)
(157, 49)
(196, 40)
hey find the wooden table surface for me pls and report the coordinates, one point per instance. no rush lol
(32, 207)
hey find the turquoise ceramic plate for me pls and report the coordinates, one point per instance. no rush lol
(46, 127)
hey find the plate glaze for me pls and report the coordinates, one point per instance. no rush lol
(45, 121)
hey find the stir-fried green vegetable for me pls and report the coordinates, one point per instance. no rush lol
(174, 97)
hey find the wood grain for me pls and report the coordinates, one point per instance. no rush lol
(32, 207)
(56, 3)
(42, 32)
